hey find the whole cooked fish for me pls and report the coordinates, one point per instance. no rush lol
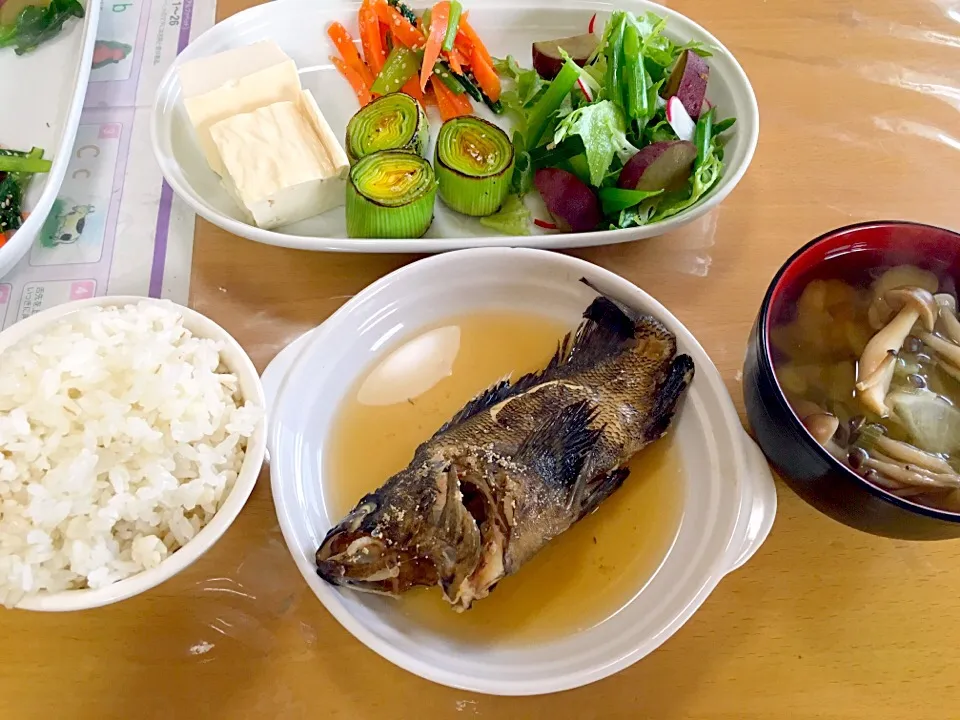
(517, 466)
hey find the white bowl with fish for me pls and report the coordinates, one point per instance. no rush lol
(545, 511)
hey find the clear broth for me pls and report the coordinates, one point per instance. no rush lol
(584, 576)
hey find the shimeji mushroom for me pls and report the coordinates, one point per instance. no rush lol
(878, 361)
(947, 353)
(949, 324)
(879, 445)
(823, 426)
(880, 312)
(911, 474)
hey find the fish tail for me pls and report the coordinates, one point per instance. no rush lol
(679, 376)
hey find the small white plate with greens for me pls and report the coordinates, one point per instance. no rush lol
(46, 49)
(612, 122)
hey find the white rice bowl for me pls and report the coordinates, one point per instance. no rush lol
(121, 435)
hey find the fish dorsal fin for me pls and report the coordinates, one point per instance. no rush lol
(496, 393)
(605, 332)
(607, 329)
(559, 446)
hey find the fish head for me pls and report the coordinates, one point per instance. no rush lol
(418, 529)
(375, 548)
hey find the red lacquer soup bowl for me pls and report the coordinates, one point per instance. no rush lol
(848, 253)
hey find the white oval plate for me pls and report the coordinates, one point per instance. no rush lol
(509, 27)
(43, 94)
(729, 496)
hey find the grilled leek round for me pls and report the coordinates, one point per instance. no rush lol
(474, 165)
(390, 195)
(393, 122)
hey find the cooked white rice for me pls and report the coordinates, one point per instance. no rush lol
(120, 436)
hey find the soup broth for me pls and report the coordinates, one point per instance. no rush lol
(583, 576)
(872, 369)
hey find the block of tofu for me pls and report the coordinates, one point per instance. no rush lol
(282, 163)
(234, 82)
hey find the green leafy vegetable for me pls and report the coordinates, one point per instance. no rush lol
(723, 125)
(658, 131)
(513, 218)
(523, 168)
(36, 24)
(16, 169)
(550, 102)
(553, 154)
(703, 135)
(616, 199)
(11, 201)
(526, 86)
(602, 128)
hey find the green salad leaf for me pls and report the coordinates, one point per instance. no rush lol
(602, 128)
(36, 24)
(513, 218)
(525, 86)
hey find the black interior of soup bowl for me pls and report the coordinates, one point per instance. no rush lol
(823, 481)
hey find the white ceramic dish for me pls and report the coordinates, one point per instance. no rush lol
(49, 84)
(239, 362)
(729, 496)
(509, 26)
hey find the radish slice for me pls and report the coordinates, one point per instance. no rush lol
(585, 89)
(593, 21)
(680, 119)
(544, 224)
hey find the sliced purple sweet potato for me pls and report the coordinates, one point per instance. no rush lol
(572, 204)
(547, 60)
(659, 166)
(688, 81)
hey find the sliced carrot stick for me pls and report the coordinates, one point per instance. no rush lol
(357, 81)
(439, 19)
(450, 104)
(462, 43)
(462, 103)
(401, 29)
(370, 39)
(348, 51)
(474, 39)
(456, 61)
(412, 88)
(486, 76)
(444, 101)
(384, 37)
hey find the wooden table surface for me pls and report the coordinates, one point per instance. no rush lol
(859, 102)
